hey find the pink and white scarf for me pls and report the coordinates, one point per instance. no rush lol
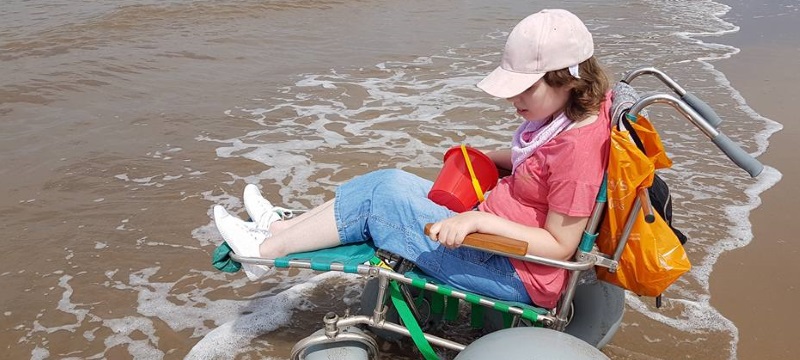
(533, 134)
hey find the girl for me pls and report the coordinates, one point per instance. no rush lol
(556, 164)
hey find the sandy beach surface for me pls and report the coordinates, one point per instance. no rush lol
(756, 287)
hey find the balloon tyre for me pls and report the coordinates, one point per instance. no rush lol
(529, 343)
(598, 310)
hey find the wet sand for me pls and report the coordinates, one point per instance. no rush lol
(756, 287)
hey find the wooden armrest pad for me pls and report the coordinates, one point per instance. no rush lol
(493, 242)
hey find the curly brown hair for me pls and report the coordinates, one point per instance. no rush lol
(587, 93)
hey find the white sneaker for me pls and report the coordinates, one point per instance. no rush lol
(260, 209)
(244, 238)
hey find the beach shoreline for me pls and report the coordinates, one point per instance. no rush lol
(752, 286)
(126, 122)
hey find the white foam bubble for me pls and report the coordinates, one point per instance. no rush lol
(64, 305)
(123, 328)
(39, 353)
(268, 314)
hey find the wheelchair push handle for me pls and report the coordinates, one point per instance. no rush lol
(702, 108)
(494, 243)
(692, 100)
(740, 157)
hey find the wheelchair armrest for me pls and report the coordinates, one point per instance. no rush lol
(493, 243)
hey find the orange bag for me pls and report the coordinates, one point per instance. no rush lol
(653, 257)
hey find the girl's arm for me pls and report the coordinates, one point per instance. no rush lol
(557, 240)
(502, 160)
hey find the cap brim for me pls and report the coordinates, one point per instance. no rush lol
(505, 84)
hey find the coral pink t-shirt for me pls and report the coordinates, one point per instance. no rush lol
(563, 175)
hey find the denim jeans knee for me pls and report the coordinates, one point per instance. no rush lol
(391, 208)
(381, 192)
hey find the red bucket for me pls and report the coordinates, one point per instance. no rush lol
(454, 187)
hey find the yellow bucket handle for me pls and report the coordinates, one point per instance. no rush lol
(475, 183)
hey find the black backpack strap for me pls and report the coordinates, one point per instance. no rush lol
(660, 197)
(634, 136)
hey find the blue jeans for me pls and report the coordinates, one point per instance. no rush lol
(391, 207)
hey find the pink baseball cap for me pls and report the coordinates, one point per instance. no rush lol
(549, 40)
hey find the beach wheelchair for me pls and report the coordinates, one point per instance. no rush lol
(399, 302)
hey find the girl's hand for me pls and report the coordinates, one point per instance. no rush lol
(450, 232)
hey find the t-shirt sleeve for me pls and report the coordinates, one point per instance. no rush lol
(574, 179)
(573, 198)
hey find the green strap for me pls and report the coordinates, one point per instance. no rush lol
(420, 299)
(221, 259)
(587, 241)
(411, 323)
(507, 320)
(437, 303)
(451, 309)
(476, 316)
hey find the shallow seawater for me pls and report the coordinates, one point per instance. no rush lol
(123, 123)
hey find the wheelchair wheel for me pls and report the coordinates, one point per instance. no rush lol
(595, 317)
(356, 346)
(529, 343)
(598, 309)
